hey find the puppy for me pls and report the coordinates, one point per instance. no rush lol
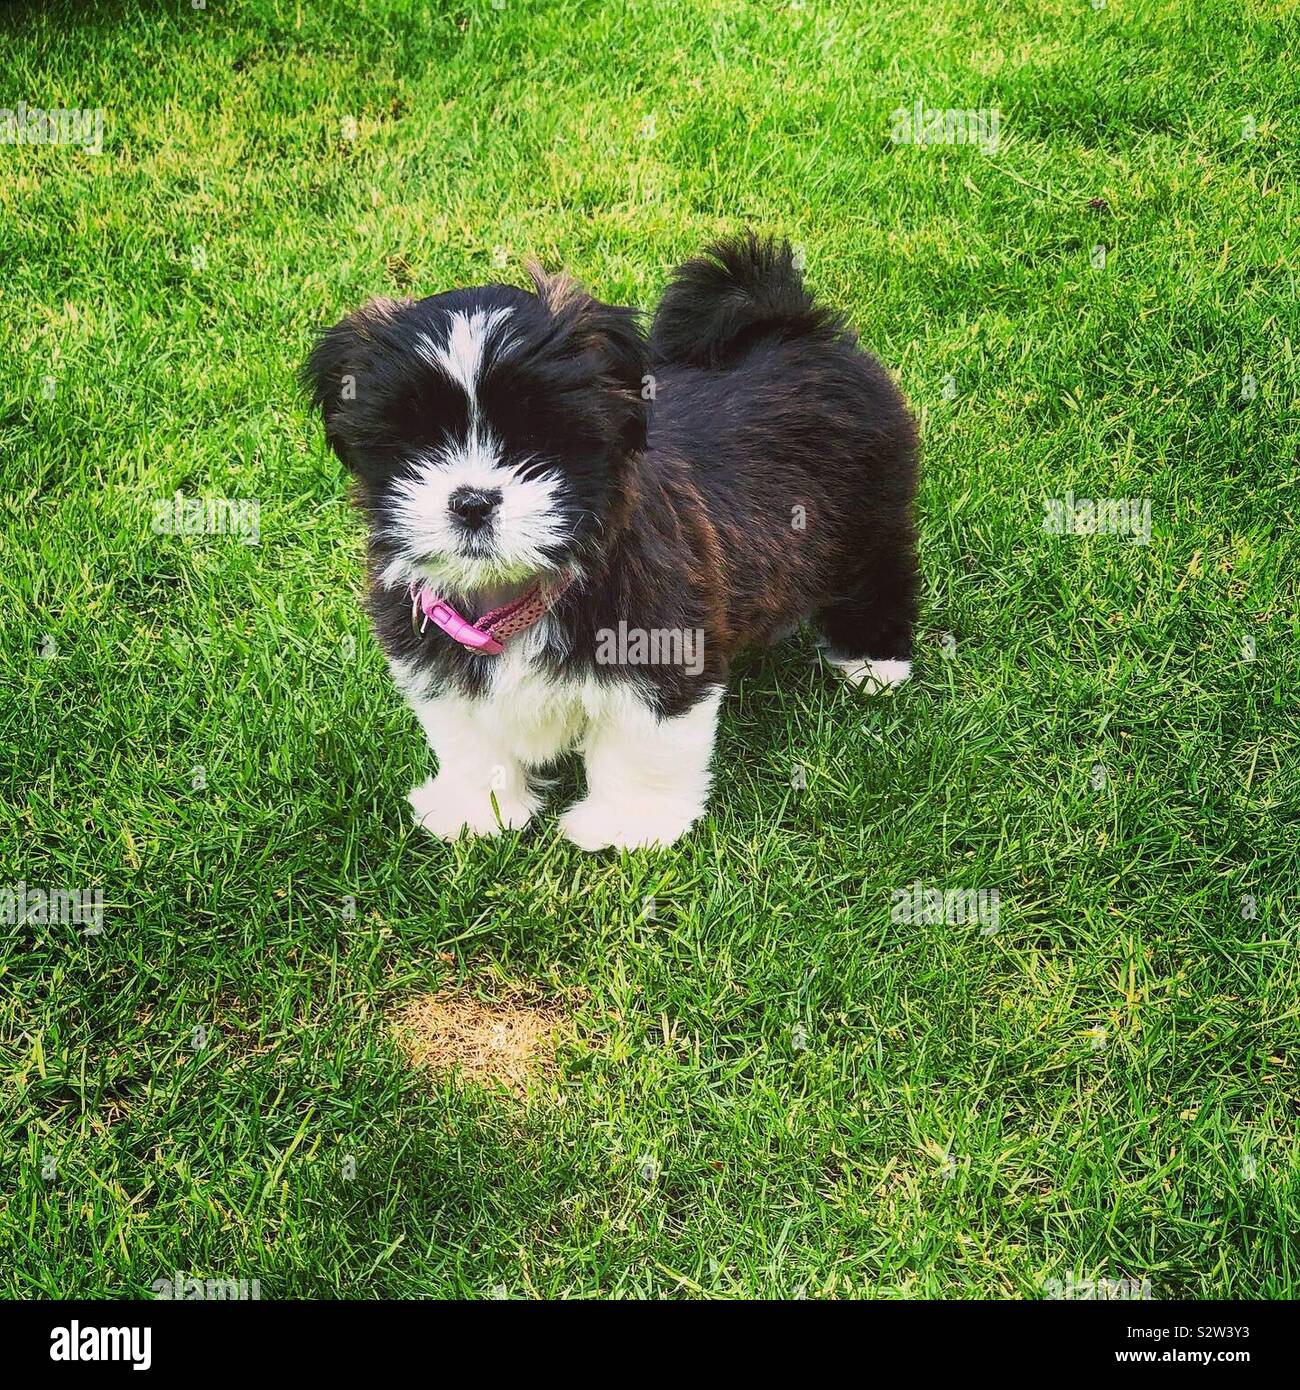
(573, 530)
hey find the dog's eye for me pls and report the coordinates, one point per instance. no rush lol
(430, 409)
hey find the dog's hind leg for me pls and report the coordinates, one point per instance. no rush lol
(868, 630)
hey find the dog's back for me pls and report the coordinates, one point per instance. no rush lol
(801, 446)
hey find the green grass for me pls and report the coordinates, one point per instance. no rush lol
(956, 1125)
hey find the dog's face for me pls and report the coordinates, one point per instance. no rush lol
(487, 428)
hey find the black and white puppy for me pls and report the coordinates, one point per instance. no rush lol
(572, 531)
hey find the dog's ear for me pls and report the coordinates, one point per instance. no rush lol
(608, 334)
(338, 363)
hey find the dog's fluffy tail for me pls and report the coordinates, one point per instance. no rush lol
(737, 293)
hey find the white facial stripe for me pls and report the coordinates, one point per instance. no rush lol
(461, 356)
(431, 544)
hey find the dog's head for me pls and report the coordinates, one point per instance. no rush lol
(488, 429)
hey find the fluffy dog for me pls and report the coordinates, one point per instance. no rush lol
(572, 529)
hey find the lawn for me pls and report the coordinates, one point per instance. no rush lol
(768, 1077)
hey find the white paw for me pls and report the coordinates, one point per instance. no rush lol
(446, 808)
(871, 676)
(593, 824)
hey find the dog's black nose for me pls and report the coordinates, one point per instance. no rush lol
(473, 506)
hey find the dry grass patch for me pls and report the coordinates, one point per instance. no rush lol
(505, 1043)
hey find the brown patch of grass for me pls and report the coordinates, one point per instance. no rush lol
(506, 1043)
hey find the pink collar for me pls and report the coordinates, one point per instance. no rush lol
(491, 630)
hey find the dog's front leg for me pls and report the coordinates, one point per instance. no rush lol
(475, 764)
(647, 777)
